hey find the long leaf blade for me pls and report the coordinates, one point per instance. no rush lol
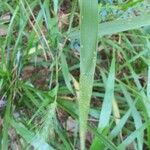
(88, 36)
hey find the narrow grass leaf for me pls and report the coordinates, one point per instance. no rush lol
(120, 25)
(10, 29)
(55, 3)
(116, 112)
(132, 137)
(121, 124)
(6, 124)
(107, 104)
(136, 116)
(138, 85)
(108, 98)
(148, 82)
(46, 13)
(66, 73)
(148, 85)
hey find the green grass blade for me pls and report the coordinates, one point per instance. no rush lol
(108, 98)
(148, 85)
(55, 3)
(136, 116)
(88, 35)
(148, 82)
(107, 104)
(121, 124)
(10, 29)
(4, 145)
(132, 137)
(46, 13)
(120, 25)
(65, 71)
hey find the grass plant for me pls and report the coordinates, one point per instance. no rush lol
(74, 74)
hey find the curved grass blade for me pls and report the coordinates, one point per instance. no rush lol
(88, 36)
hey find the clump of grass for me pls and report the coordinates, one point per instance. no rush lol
(95, 72)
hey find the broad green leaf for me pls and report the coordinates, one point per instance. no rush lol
(88, 54)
